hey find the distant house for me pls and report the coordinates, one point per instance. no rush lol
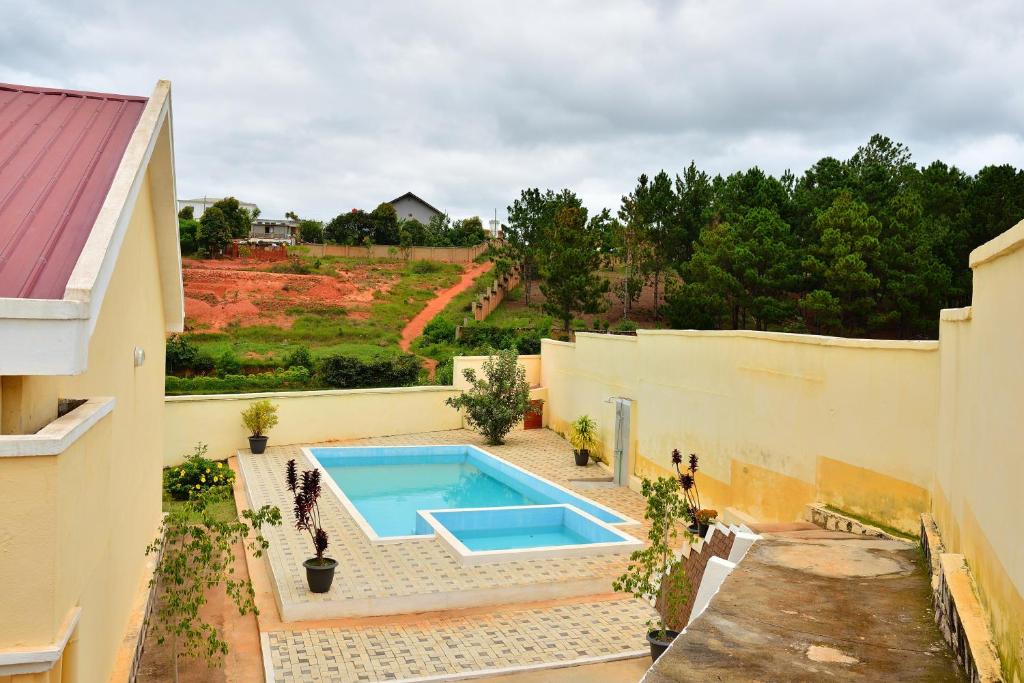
(410, 206)
(201, 204)
(275, 229)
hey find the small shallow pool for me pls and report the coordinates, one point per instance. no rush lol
(387, 488)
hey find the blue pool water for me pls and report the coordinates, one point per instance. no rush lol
(388, 486)
(523, 537)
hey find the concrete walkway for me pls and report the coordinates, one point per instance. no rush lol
(812, 605)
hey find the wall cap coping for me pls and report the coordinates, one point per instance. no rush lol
(57, 437)
(39, 659)
(602, 335)
(522, 355)
(1001, 245)
(814, 339)
(956, 315)
(556, 342)
(187, 398)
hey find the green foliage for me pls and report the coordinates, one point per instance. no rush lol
(423, 266)
(300, 357)
(496, 402)
(215, 231)
(228, 364)
(293, 266)
(181, 354)
(571, 283)
(653, 573)
(260, 417)
(347, 372)
(238, 219)
(583, 433)
(440, 330)
(187, 213)
(195, 551)
(197, 475)
(279, 380)
(311, 232)
(188, 234)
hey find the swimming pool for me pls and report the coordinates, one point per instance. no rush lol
(387, 490)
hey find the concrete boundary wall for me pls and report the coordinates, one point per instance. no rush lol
(778, 420)
(442, 254)
(304, 417)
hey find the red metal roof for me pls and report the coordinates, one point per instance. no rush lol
(59, 151)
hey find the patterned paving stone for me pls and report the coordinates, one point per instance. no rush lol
(422, 566)
(448, 648)
(439, 646)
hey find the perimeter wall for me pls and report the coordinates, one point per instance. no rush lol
(882, 429)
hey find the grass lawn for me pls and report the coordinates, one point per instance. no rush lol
(328, 330)
(223, 510)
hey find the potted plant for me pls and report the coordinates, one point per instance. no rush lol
(306, 491)
(655, 574)
(583, 437)
(700, 518)
(259, 418)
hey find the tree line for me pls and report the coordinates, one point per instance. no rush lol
(383, 226)
(873, 245)
(227, 220)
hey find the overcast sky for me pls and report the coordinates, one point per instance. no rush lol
(334, 105)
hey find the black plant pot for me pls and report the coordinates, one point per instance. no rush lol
(658, 644)
(320, 576)
(257, 444)
(699, 529)
(582, 457)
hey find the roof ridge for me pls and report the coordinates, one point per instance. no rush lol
(88, 94)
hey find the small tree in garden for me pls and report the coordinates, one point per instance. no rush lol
(496, 402)
(654, 571)
(196, 555)
(306, 492)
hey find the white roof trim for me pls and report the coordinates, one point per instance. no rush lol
(51, 337)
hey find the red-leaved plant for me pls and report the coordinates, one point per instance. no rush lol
(307, 509)
(688, 482)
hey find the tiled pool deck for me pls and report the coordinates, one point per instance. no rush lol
(421, 576)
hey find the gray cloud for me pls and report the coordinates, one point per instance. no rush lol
(328, 106)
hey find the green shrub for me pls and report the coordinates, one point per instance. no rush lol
(423, 267)
(197, 475)
(204, 363)
(228, 364)
(181, 354)
(496, 402)
(293, 266)
(444, 373)
(278, 380)
(260, 417)
(440, 331)
(626, 326)
(347, 372)
(300, 357)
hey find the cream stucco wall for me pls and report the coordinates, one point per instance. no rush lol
(75, 525)
(779, 420)
(980, 457)
(305, 417)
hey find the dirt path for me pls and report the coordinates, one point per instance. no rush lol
(415, 326)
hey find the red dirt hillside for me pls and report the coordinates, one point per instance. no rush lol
(218, 292)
